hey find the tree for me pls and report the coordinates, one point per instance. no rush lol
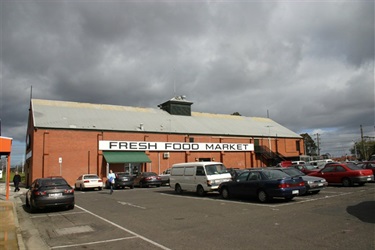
(363, 149)
(236, 113)
(310, 145)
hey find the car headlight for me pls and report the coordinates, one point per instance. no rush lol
(310, 182)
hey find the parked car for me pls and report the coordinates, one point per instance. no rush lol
(368, 165)
(298, 162)
(50, 192)
(234, 172)
(122, 180)
(165, 177)
(306, 169)
(313, 184)
(89, 181)
(346, 174)
(147, 179)
(265, 184)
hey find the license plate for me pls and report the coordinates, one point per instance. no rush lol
(320, 184)
(295, 192)
(55, 195)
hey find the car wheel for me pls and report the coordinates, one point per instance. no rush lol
(32, 207)
(315, 192)
(225, 193)
(361, 183)
(100, 188)
(27, 203)
(200, 191)
(346, 182)
(70, 207)
(262, 196)
(80, 187)
(132, 186)
(178, 189)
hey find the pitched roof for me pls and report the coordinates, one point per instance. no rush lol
(87, 116)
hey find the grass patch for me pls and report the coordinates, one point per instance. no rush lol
(12, 173)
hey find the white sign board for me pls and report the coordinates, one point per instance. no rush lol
(172, 146)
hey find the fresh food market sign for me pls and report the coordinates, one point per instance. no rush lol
(172, 146)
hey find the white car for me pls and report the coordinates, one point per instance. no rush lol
(86, 181)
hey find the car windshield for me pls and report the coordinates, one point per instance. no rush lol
(275, 174)
(216, 169)
(310, 167)
(293, 172)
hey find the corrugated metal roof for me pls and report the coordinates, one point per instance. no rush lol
(75, 115)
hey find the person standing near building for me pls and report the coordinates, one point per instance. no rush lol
(111, 179)
(16, 181)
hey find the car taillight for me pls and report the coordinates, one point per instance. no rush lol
(148, 178)
(86, 181)
(158, 178)
(283, 185)
(288, 185)
(68, 191)
(100, 180)
(40, 193)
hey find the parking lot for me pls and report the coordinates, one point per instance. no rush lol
(157, 218)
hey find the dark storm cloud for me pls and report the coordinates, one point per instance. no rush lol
(309, 65)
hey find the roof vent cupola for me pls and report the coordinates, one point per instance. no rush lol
(178, 105)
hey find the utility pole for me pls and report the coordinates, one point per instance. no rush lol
(317, 143)
(363, 145)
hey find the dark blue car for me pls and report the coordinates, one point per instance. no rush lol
(264, 184)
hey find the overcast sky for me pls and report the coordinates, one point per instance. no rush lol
(308, 64)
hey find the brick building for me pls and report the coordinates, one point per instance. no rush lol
(70, 139)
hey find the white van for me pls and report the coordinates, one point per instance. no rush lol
(200, 177)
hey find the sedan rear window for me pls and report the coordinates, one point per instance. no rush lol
(275, 174)
(123, 175)
(91, 177)
(353, 166)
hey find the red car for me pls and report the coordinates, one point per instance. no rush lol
(367, 165)
(345, 173)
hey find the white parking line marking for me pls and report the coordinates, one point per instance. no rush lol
(53, 215)
(131, 205)
(126, 230)
(95, 242)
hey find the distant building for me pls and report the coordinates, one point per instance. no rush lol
(71, 138)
